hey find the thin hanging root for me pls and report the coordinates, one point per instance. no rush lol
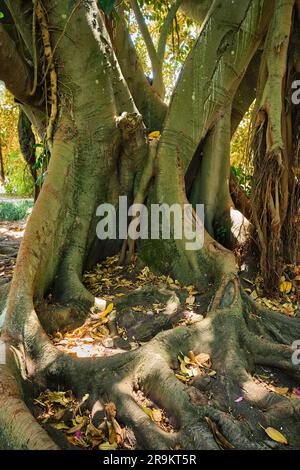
(34, 48)
(127, 251)
(50, 62)
(140, 197)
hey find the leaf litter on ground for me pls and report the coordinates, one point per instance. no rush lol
(110, 281)
(62, 411)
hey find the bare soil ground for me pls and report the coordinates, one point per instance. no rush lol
(11, 234)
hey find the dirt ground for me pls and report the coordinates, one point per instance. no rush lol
(11, 234)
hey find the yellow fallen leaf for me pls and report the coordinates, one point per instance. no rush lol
(187, 360)
(148, 412)
(112, 436)
(286, 287)
(183, 367)
(281, 390)
(77, 442)
(63, 398)
(107, 311)
(276, 435)
(154, 135)
(117, 429)
(212, 373)
(182, 378)
(190, 300)
(78, 422)
(60, 426)
(193, 357)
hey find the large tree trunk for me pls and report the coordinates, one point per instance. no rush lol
(98, 153)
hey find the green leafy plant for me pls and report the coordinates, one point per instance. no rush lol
(19, 181)
(221, 232)
(244, 179)
(15, 210)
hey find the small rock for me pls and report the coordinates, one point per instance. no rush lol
(100, 304)
(108, 342)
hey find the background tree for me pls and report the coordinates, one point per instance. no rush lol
(82, 85)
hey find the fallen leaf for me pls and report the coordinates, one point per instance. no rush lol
(107, 311)
(77, 442)
(154, 135)
(60, 426)
(286, 287)
(275, 435)
(148, 412)
(183, 378)
(212, 373)
(281, 390)
(219, 438)
(112, 436)
(190, 300)
(239, 399)
(183, 367)
(78, 422)
(110, 409)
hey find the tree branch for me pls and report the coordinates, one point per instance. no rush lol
(145, 32)
(156, 63)
(165, 30)
(13, 69)
(21, 12)
(149, 104)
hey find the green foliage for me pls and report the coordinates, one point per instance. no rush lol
(241, 156)
(244, 179)
(1, 15)
(180, 40)
(15, 210)
(19, 180)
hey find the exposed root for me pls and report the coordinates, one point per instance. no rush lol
(128, 247)
(19, 429)
(205, 414)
